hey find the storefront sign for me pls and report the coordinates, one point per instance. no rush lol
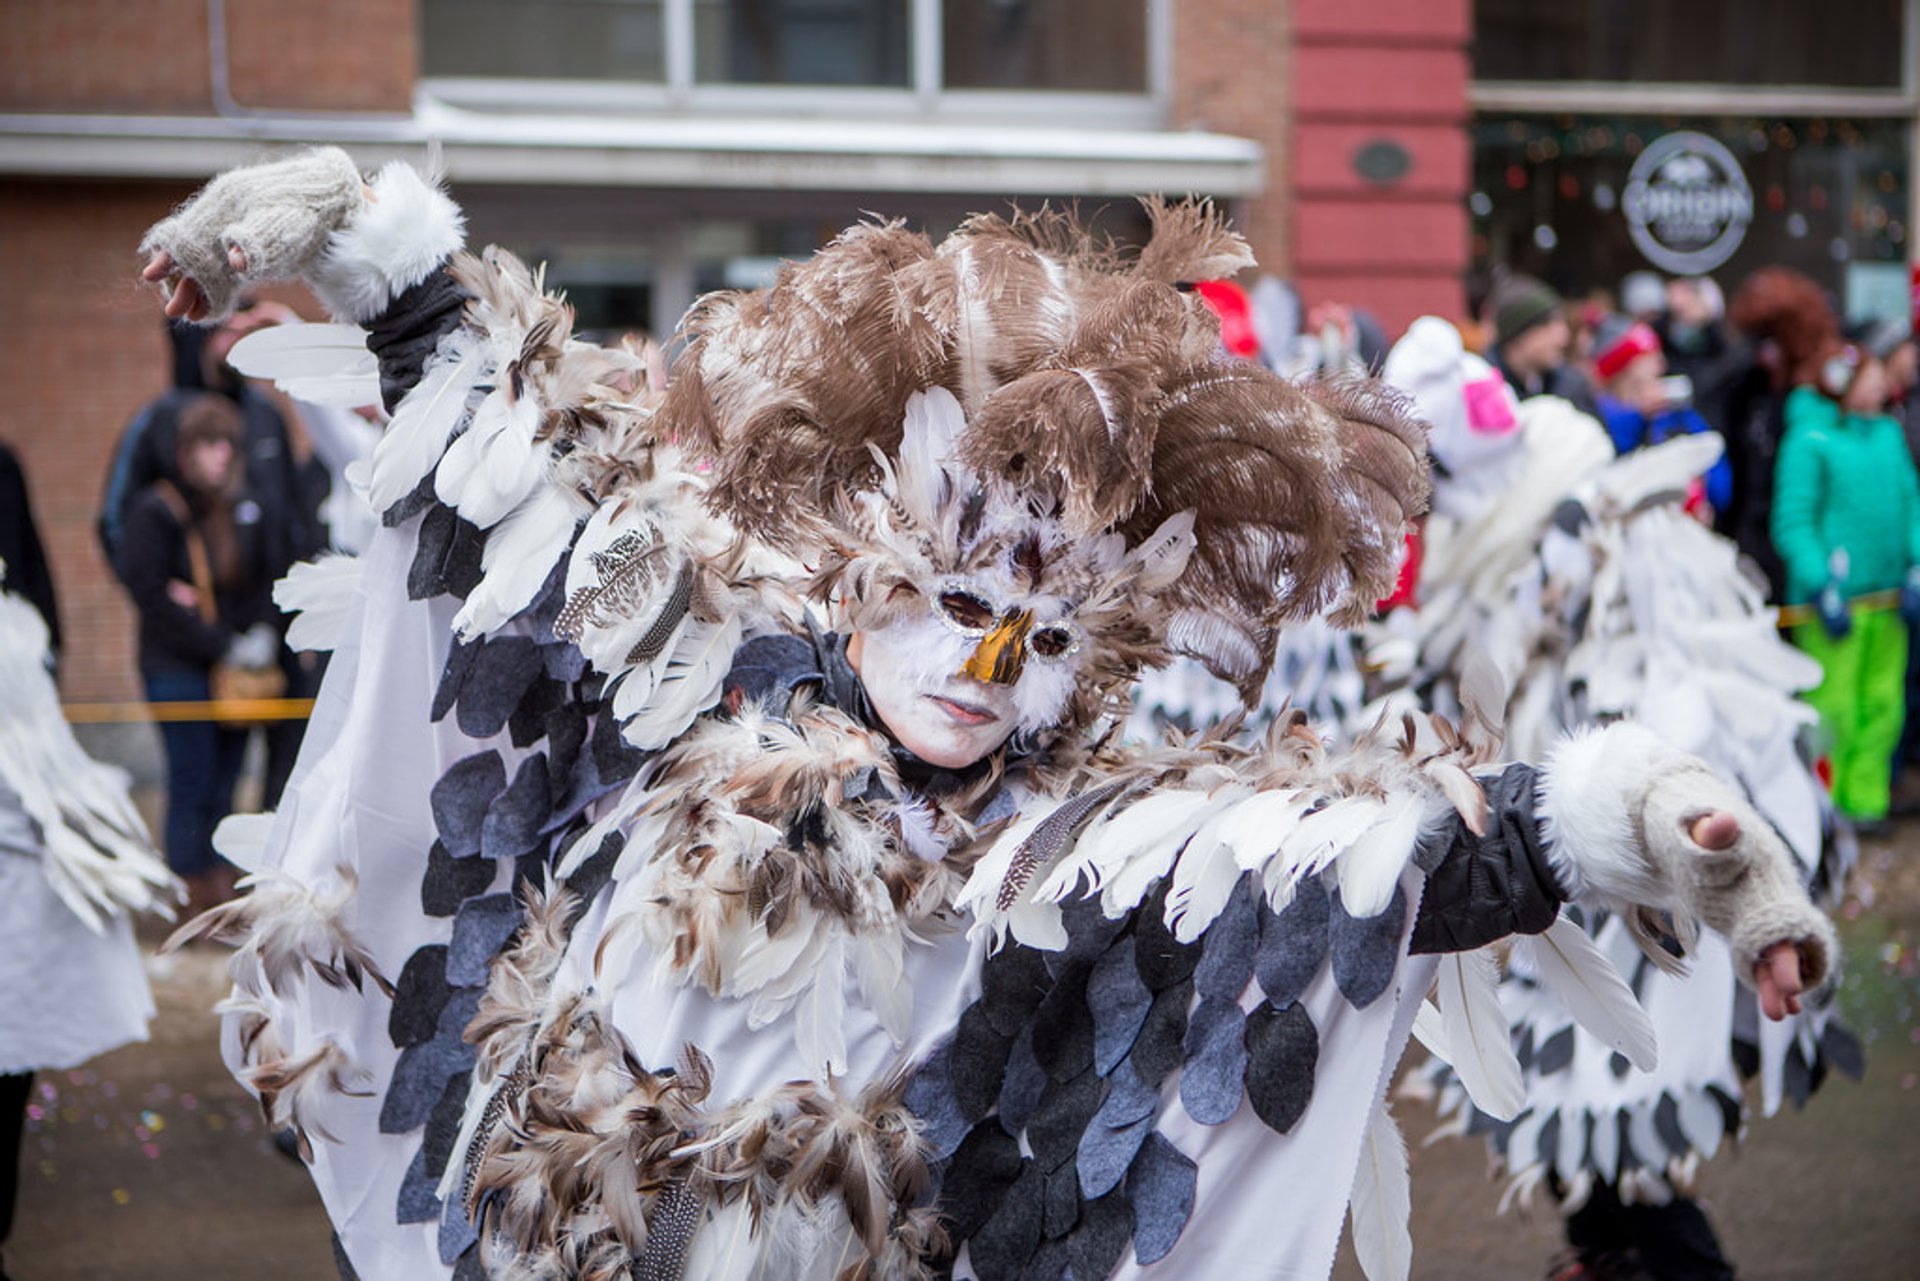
(1686, 202)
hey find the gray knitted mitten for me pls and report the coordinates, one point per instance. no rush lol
(1750, 893)
(279, 214)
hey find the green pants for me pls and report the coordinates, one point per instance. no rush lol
(1862, 703)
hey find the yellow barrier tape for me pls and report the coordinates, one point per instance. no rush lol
(248, 709)
(1871, 603)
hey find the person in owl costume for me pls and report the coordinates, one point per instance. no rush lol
(714, 854)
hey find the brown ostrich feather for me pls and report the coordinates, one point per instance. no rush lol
(785, 387)
(1192, 241)
(1301, 495)
(1082, 435)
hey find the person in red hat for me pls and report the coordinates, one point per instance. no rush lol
(1641, 405)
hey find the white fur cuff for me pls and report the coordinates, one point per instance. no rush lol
(397, 238)
(1589, 798)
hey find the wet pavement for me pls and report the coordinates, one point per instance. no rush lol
(152, 1163)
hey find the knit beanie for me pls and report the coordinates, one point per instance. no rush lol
(1520, 303)
(1618, 341)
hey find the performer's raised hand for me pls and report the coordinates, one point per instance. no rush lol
(1659, 836)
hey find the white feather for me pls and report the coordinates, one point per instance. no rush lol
(1370, 869)
(1203, 880)
(1430, 1029)
(689, 682)
(521, 551)
(424, 421)
(324, 364)
(1163, 556)
(1319, 838)
(1382, 1202)
(490, 468)
(1476, 1033)
(241, 839)
(1572, 965)
(1260, 824)
(321, 595)
(879, 963)
(819, 1031)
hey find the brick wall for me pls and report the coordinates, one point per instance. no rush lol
(152, 55)
(81, 348)
(1392, 75)
(1230, 75)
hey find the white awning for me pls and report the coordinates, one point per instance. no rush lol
(666, 151)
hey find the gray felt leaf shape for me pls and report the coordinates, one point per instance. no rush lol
(1214, 1075)
(1090, 932)
(452, 677)
(1062, 1117)
(1160, 1187)
(515, 819)
(1096, 1246)
(1666, 1123)
(419, 1078)
(1292, 944)
(1556, 1052)
(977, 1061)
(1000, 1249)
(1841, 1047)
(460, 798)
(1049, 1263)
(443, 1125)
(448, 881)
(457, 1232)
(1062, 1205)
(1365, 950)
(418, 996)
(1024, 1086)
(563, 661)
(1106, 1151)
(1119, 1000)
(1797, 1075)
(984, 1166)
(1163, 959)
(1162, 1040)
(1228, 947)
(480, 929)
(929, 1096)
(1063, 1027)
(418, 1201)
(1283, 1049)
(501, 673)
(426, 577)
(1013, 982)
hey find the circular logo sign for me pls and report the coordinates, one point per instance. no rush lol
(1687, 203)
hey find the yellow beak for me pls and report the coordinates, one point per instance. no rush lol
(1002, 653)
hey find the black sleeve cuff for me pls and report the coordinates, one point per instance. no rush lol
(1485, 888)
(404, 335)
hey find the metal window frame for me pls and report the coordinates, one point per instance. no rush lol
(925, 96)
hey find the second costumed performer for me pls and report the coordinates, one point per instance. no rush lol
(712, 856)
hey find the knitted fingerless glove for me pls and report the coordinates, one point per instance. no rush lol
(279, 214)
(1619, 805)
(307, 218)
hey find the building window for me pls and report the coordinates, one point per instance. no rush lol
(1091, 47)
(1733, 42)
(618, 40)
(1094, 46)
(801, 42)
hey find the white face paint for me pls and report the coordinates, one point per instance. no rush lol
(911, 671)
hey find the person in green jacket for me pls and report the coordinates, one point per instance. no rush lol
(1846, 521)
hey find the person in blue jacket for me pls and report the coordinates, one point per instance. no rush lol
(1641, 405)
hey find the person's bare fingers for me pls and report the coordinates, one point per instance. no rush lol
(236, 257)
(1777, 979)
(1718, 830)
(185, 295)
(158, 267)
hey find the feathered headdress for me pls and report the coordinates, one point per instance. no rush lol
(1090, 409)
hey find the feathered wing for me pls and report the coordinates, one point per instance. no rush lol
(323, 364)
(94, 847)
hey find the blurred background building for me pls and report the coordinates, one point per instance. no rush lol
(1374, 151)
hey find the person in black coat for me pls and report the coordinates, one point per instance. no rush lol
(199, 512)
